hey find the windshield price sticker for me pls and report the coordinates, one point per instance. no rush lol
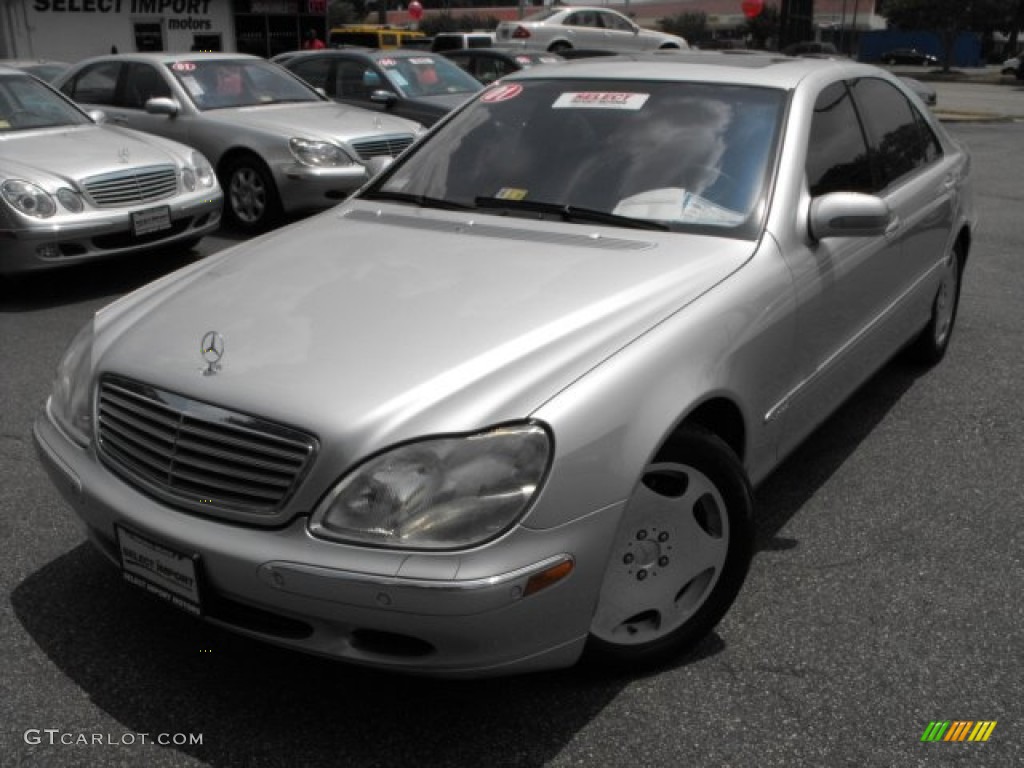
(387, 62)
(183, 66)
(502, 93)
(421, 60)
(601, 100)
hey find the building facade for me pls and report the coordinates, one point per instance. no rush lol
(70, 30)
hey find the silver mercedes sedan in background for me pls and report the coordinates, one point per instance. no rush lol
(278, 146)
(518, 414)
(72, 190)
(564, 27)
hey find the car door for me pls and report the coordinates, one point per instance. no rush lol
(920, 186)
(584, 29)
(140, 82)
(843, 285)
(619, 34)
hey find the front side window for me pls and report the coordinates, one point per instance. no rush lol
(894, 129)
(676, 156)
(224, 83)
(837, 154)
(315, 70)
(142, 83)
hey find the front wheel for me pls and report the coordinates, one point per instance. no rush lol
(251, 195)
(558, 47)
(931, 345)
(680, 556)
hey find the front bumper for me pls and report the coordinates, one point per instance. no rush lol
(305, 188)
(99, 234)
(404, 611)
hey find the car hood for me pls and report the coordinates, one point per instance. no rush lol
(315, 120)
(78, 152)
(381, 323)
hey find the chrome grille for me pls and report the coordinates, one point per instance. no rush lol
(139, 185)
(197, 455)
(390, 146)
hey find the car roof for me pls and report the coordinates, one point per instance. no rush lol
(170, 58)
(768, 70)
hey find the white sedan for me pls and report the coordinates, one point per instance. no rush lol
(562, 28)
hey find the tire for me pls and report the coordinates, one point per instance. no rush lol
(931, 345)
(558, 47)
(251, 200)
(680, 556)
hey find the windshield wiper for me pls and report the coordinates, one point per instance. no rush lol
(569, 212)
(423, 201)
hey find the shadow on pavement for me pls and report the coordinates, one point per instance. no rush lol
(155, 671)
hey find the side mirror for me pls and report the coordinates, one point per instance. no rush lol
(383, 97)
(98, 116)
(162, 106)
(848, 214)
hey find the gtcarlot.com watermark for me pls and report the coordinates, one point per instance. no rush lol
(56, 737)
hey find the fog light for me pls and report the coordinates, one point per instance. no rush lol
(48, 251)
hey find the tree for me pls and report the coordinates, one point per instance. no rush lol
(763, 29)
(691, 26)
(946, 18)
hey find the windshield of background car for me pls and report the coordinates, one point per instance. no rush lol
(25, 103)
(223, 83)
(422, 76)
(686, 156)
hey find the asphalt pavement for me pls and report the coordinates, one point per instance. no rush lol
(885, 593)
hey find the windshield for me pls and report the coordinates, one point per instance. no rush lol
(25, 103)
(422, 76)
(686, 156)
(223, 83)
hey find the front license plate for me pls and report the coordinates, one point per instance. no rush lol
(160, 570)
(153, 220)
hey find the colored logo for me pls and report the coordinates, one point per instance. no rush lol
(502, 93)
(958, 730)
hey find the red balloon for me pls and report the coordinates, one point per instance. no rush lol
(752, 8)
(415, 10)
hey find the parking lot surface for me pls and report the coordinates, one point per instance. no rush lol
(885, 594)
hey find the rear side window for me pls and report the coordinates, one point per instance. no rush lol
(899, 136)
(96, 84)
(837, 154)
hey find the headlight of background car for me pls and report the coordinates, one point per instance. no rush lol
(319, 153)
(69, 401)
(203, 170)
(444, 493)
(29, 199)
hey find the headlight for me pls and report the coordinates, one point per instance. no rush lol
(319, 153)
(445, 493)
(188, 179)
(203, 170)
(69, 401)
(29, 199)
(70, 200)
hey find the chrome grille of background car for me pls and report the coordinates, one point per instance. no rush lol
(196, 455)
(390, 146)
(139, 185)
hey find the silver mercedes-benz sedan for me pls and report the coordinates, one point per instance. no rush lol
(507, 403)
(562, 28)
(279, 147)
(72, 190)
